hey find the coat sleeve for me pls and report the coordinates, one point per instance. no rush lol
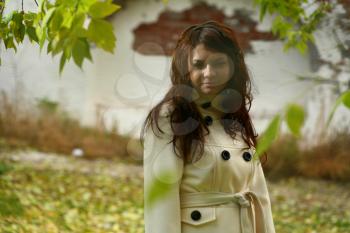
(164, 213)
(259, 187)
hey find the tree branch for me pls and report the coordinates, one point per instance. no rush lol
(36, 3)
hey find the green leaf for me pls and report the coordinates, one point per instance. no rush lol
(49, 47)
(84, 5)
(80, 51)
(78, 22)
(64, 19)
(102, 9)
(41, 33)
(19, 33)
(269, 135)
(263, 8)
(41, 6)
(301, 46)
(101, 33)
(159, 189)
(32, 34)
(346, 99)
(295, 117)
(62, 62)
(57, 20)
(48, 16)
(9, 43)
(17, 18)
(59, 42)
(343, 99)
(29, 16)
(17, 27)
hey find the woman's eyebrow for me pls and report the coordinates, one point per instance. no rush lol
(214, 59)
(199, 61)
(219, 59)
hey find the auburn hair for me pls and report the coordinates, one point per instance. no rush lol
(184, 114)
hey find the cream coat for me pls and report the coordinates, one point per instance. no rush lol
(213, 195)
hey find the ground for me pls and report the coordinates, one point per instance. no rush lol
(42, 192)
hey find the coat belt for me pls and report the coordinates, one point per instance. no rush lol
(251, 212)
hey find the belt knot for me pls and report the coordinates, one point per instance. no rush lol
(242, 200)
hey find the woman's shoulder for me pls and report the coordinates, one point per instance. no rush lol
(163, 120)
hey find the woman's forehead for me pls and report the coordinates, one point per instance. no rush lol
(200, 52)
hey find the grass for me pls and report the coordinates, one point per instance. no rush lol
(48, 128)
(310, 206)
(328, 160)
(60, 201)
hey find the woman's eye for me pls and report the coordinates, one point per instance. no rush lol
(220, 64)
(198, 65)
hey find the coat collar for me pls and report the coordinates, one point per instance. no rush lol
(206, 109)
(226, 101)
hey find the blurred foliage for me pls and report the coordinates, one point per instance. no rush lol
(327, 160)
(47, 106)
(308, 206)
(10, 205)
(343, 99)
(61, 201)
(269, 136)
(52, 130)
(295, 21)
(4, 168)
(295, 118)
(159, 189)
(68, 27)
(294, 115)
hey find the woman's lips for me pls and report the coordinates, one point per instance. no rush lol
(208, 84)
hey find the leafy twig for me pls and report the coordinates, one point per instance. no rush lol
(2, 7)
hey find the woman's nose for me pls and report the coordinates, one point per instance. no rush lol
(208, 71)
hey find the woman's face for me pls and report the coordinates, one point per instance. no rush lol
(209, 70)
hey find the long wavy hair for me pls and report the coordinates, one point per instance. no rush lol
(184, 114)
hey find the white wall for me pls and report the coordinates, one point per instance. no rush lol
(121, 88)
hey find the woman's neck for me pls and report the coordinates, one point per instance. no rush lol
(205, 106)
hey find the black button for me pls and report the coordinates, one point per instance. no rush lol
(196, 215)
(225, 155)
(247, 156)
(206, 105)
(208, 120)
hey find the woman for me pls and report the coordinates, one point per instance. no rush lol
(200, 172)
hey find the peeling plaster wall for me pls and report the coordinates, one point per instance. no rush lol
(120, 89)
(165, 31)
(133, 80)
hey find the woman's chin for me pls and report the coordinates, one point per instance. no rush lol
(209, 91)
